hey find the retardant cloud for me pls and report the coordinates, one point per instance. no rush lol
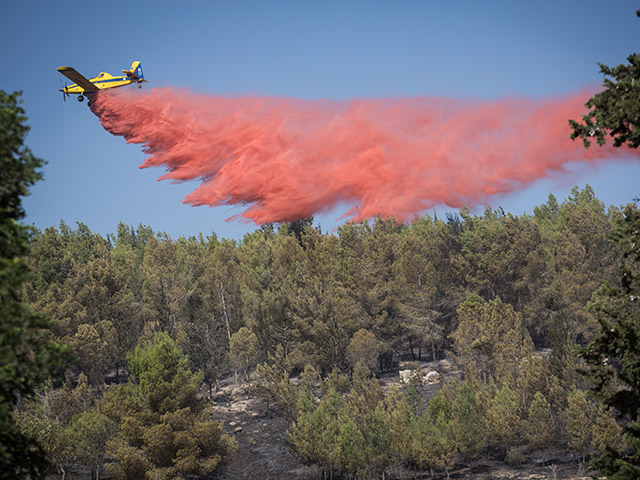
(288, 159)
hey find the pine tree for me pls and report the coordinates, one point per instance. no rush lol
(243, 350)
(579, 422)
(363, 347)
(614, 110)
(468, 423)
(164, 428)
(351, 448)
(503, 422)
(612, 355)
(540, 424)
(308, 431)
(606, 434)
(26, 356)
(90, 432)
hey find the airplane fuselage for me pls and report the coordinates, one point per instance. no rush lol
(102, 82)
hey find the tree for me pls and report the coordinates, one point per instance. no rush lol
(503, 422)
(308, 431)
(350, 448)
(273, 266)
(363, 347)
(401, 419)
(209, 336)
(436, 427)
(607, 435)
(243, 350)
(90, 351)
(540, 424)
(490, 340)
(37, 421)
(90, 432)
(26, 356)
(616, 110)
(273, 383)
(165, 430)
(579, 422)
(100, 292)
(612, 356)
(467, 422)
(417, 287)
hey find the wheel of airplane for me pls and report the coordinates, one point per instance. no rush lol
(139, 85)
(80, 98)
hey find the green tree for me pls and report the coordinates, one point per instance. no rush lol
(418, 285)
(579, 422)
(37, 421)
(490, 340)
(540, 425)
(164, 429)
(350, 448)
(468, 423)
(26, 356)
(90, 432)
(273, 383)
(243, 350)
(364, 348)
(210, 334)
(90, 351)
(103, 300)
(437, 429)
(170, 270)
(401, 418)
(308, 431)
(424, 440)
(324, 313)
(612, 355)
(607, 434)
(47, 418)
(504, 425)
(273, 266)
(615, 111)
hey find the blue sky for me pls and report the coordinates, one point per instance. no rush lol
(336, 50)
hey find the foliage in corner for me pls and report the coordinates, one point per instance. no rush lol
(613, 354)
(615, 111)
(26, 356)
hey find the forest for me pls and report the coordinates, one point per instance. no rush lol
(155, 323)
(113, 348)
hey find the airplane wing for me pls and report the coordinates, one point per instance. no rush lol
(78, 79)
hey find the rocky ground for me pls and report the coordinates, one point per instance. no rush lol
(263, 450)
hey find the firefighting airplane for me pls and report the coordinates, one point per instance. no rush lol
(103, 81)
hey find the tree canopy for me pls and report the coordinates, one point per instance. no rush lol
(615, 111)
(26, 355)
(613, 354)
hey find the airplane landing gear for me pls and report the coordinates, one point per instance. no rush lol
(139, 85)
(80, 98)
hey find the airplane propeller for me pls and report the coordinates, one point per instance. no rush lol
(64, 91)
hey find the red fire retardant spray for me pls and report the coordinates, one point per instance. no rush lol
(287, 159)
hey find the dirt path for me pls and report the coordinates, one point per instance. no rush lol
(263, 451)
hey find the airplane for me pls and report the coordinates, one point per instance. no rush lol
(102, 81)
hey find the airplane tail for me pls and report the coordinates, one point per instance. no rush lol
(136, 71)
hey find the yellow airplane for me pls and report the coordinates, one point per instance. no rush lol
(103, 81)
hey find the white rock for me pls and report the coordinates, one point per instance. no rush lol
(432, 377)
(445, 365)
(405, 375)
